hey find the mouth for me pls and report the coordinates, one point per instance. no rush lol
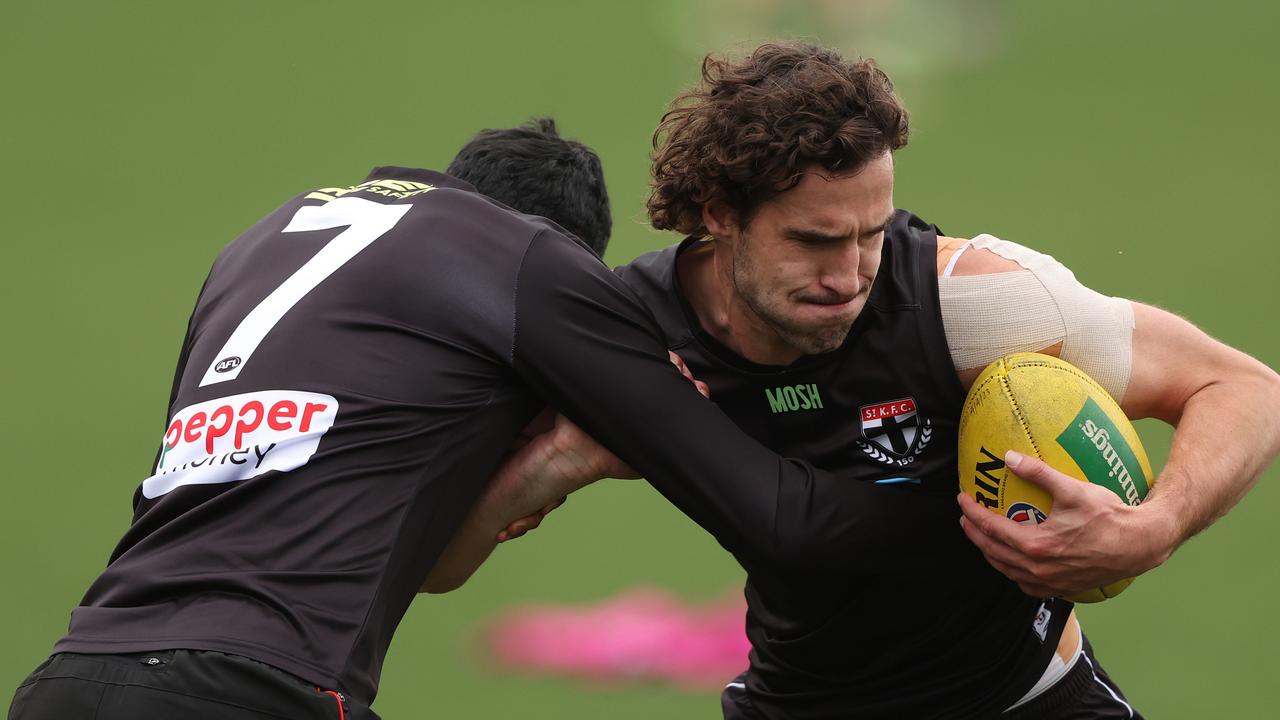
(834, 303)
(839, 303)
(826, 312)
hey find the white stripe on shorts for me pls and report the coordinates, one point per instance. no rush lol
(1108, 687)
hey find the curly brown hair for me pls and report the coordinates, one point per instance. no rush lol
(750, 129)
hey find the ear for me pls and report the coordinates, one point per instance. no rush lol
(719, 219)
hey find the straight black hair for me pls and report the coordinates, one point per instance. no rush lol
(532, 169)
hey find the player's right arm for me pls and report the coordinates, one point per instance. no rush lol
(586, 343)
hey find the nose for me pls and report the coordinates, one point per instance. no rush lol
(840, 271)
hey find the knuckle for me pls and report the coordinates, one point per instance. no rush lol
(983, 523)
(1040, 547)
(1037, 588)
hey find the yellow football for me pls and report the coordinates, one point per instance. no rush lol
(1044, 407)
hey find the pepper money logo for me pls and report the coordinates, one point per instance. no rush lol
(239, 437)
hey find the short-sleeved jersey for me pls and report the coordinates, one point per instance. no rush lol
(356, 365)
(915, 629)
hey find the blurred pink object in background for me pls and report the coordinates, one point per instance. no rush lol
(641, 634)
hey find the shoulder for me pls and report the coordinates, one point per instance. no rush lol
(654, 278)
(960, 257)
(653, 275)
(652, 268)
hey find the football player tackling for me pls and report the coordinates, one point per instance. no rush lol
(356, 365)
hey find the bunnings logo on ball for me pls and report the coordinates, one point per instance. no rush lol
(1093, 441)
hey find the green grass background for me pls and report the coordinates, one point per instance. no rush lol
(1135, 141)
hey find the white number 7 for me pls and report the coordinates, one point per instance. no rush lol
(366, 221)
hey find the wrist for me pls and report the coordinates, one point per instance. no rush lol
(1160, 528)
(574, 459)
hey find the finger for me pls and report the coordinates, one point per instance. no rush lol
(516, 530)
(1024, 578)
(1036, 589)
(1025, 581)
(1060, 485)
(995, 526)
(1016, 574)
(553, 505)
(524, 525)
(519, 527)
(993, 550)
(703, 388)
(681, 366)
(686, 373)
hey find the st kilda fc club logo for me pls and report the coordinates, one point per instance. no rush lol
(893, 432)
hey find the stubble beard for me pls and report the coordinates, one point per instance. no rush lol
(770, 307)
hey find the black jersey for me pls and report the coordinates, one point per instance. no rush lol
(916, 624)
(355, 367)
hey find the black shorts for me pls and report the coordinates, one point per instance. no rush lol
(178, 684)
(1086, 692)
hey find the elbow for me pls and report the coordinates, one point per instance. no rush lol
(816, 539)
(439, 585)
(1262, 384)
(804, 551)
(1270, 382)
(1240, 381)
(437, 589)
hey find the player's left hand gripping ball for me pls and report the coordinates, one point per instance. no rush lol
(1046, 408)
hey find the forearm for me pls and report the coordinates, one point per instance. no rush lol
(1227, 436)
(528, 481)
(1225, 407)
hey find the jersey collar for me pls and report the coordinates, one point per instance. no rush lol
(430, 177)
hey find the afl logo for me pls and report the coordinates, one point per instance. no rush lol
(1025, 513)
(227, 364)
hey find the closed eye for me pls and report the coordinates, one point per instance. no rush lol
(814, 237)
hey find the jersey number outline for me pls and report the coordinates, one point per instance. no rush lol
(365, 221)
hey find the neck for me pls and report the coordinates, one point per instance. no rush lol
(706, 276)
